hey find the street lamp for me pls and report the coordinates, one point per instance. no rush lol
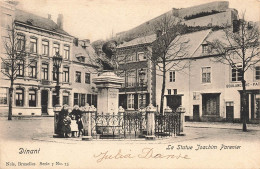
(142, 76)
(57, 59)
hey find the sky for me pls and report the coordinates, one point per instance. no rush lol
(100, 19)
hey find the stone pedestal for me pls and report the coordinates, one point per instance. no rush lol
(86, 119)
(150, 125)
(181, 124)
(181, 111)
(108, 85)
(56, 120)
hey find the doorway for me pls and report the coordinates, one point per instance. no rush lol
(44, 102)
(196, 113)
(230, 111)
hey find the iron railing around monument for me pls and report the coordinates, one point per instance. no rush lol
(132, 125)
(167, 124)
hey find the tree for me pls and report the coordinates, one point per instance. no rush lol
(14, 60)
(239, 49)
(169, 49)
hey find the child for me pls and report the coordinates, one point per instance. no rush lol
(66, 125)
(73, 126)
(80, 126)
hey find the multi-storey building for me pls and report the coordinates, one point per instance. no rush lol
(212, 90)
(34, 88)
(205, 15)
(134, 56)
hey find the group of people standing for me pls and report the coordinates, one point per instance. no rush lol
(69, 124)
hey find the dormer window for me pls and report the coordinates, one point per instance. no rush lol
(205, 48)
(81, 59)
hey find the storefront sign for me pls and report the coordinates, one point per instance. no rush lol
(231, 85)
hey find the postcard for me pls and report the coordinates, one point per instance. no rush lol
(129, 84)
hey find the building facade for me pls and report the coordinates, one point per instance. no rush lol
(34, 89)
(133, 57)
(211, 91)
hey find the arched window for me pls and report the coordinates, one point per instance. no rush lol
(19, 97)
(32, 98)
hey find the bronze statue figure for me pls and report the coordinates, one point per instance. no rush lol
(109, 62)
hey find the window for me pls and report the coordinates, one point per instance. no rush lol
(131, 57)
(89, 101)
(54, 99)
(45, 48)
(169, 91)
(81, 59)
(87, 78)
(79, 99)
(76, 99)
(174, 91)
(205, 48)
(82, 99)
(65, 74)
(33, 45)
(145, 77)
(32, 98)
(142, 100)
(54, 74)
(130, 101)
(45, 71)
(19, 97)
(206, 75)
(66, 52)
(20, 68)
(141, 56)
(3, 95)
(92, 99)
(56, 48)
(78, 77)
(131, 78)
(32, 70)
(237, 73)
(66, 98)
(20, 42)
(257, 73)
(172, 76)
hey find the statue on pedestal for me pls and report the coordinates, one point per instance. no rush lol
(108, 62)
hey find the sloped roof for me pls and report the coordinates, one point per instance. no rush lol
(193, 41)
(88, 53)
(138, 41)
(37, 21)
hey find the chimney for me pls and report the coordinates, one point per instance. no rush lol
(85, 43)
(60, 21)
(76, 41)
(49, 16)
